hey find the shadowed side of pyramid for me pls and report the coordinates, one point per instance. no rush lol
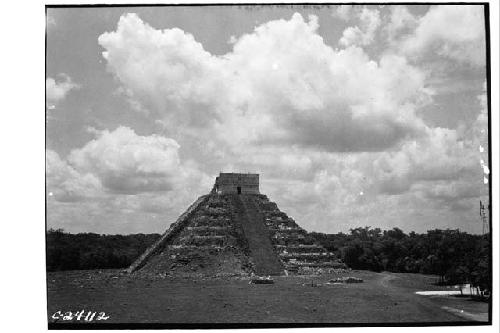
(174, 230)
(206, 241)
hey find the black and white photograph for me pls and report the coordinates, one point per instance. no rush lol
(268, 165)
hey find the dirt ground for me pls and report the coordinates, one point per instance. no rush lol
(381, 298)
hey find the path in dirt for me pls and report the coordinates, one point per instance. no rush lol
(434, 303)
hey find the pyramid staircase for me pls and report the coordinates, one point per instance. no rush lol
(262, 251)
(234, 234)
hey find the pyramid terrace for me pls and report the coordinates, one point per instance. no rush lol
(235, 230)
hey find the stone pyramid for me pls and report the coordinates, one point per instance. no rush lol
(235, 230)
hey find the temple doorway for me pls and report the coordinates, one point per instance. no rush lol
(238, 189)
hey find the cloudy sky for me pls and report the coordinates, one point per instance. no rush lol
(353, 116)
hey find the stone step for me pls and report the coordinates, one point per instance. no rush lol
(195, 247)
(208, 227)
(326, 264)
(217, 240)
(306, 255)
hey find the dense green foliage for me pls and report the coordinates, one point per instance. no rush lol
(457, 257)
(67, 251)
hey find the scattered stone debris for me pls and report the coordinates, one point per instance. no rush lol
(348, 279)
(261, 280)
(311, 284)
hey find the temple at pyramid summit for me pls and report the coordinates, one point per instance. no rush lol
(235, 230)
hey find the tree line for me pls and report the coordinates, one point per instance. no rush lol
(67, 251)
(456, 257)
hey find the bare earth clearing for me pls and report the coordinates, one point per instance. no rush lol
(382, 298)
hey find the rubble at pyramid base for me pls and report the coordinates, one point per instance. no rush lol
(235, 235)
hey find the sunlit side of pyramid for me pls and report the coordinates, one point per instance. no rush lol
(235, 230)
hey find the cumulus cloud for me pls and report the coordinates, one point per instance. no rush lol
(56, 91)
(479, 134)
(454, 32)
(129, 163)
(337, 135)
(280, 84)
(364, 34)
(167, 71)
(442, 155)
(66, 184)
(343, 12)
(120, 162)
(120, 178)
(438, 174)
(432, 179)
(401, 24)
